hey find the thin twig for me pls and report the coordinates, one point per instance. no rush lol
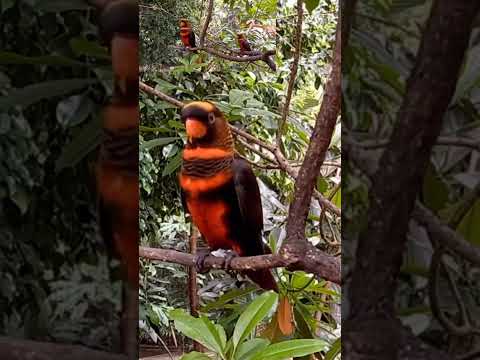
(293, 72)
(148, 89)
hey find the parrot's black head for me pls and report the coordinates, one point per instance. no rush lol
(204, 122)
(184, 23)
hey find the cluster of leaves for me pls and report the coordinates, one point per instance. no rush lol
(240, 345)
(382, 39)
(53, 72)
(251, 98)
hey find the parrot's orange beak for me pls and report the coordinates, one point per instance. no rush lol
(195, 129)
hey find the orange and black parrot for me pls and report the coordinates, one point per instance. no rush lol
(245, 47)
(117, 165)
(219, 189)
(186, 34)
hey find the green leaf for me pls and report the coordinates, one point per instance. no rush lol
(311, 5)
(302, 320)
(201, 330)
(173, 164)
(253, 314)
(227, 297)
(249, 348)
(434, 190)
(87, 139)
(335, 350)
(292, 348)
(82, 46)
(22, 199)
(33, 93)
(195, 356)
(150, 144)
(74, 110)
(238, 97)
(470, 76)
(470, 224)
(337, 198)
(322, 184)
(301, 279)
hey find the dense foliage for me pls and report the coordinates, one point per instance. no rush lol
(252, 98)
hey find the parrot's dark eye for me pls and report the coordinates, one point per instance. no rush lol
(211, 118)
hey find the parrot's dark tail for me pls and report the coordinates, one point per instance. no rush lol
(271, 63)
(263, 278)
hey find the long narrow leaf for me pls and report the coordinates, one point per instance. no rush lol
(150, 144)
(201, 330)
(335, 350)
(33, 93)
(292, 348)
(253, 315)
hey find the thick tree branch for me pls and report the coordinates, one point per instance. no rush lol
(20, 349)
(293, 73)
(317, 149)
(313, 261)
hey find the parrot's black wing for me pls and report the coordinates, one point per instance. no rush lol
(250, 205)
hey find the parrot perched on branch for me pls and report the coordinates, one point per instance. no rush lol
(186, 34)
(245, 47)
(220, 190)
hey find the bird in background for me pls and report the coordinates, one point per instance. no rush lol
(245, 47)
(221, 193)
(186, 34)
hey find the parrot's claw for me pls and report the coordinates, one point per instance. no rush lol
(228, 256)
(200, 261)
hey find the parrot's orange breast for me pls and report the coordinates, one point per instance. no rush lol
(210, 218)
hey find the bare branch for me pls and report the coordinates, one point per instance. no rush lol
(293, 72)
(314, 261)
(149, 90)
(207, 22)
(224, 55)
(446, 235)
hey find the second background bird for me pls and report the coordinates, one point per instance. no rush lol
(241, 63)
